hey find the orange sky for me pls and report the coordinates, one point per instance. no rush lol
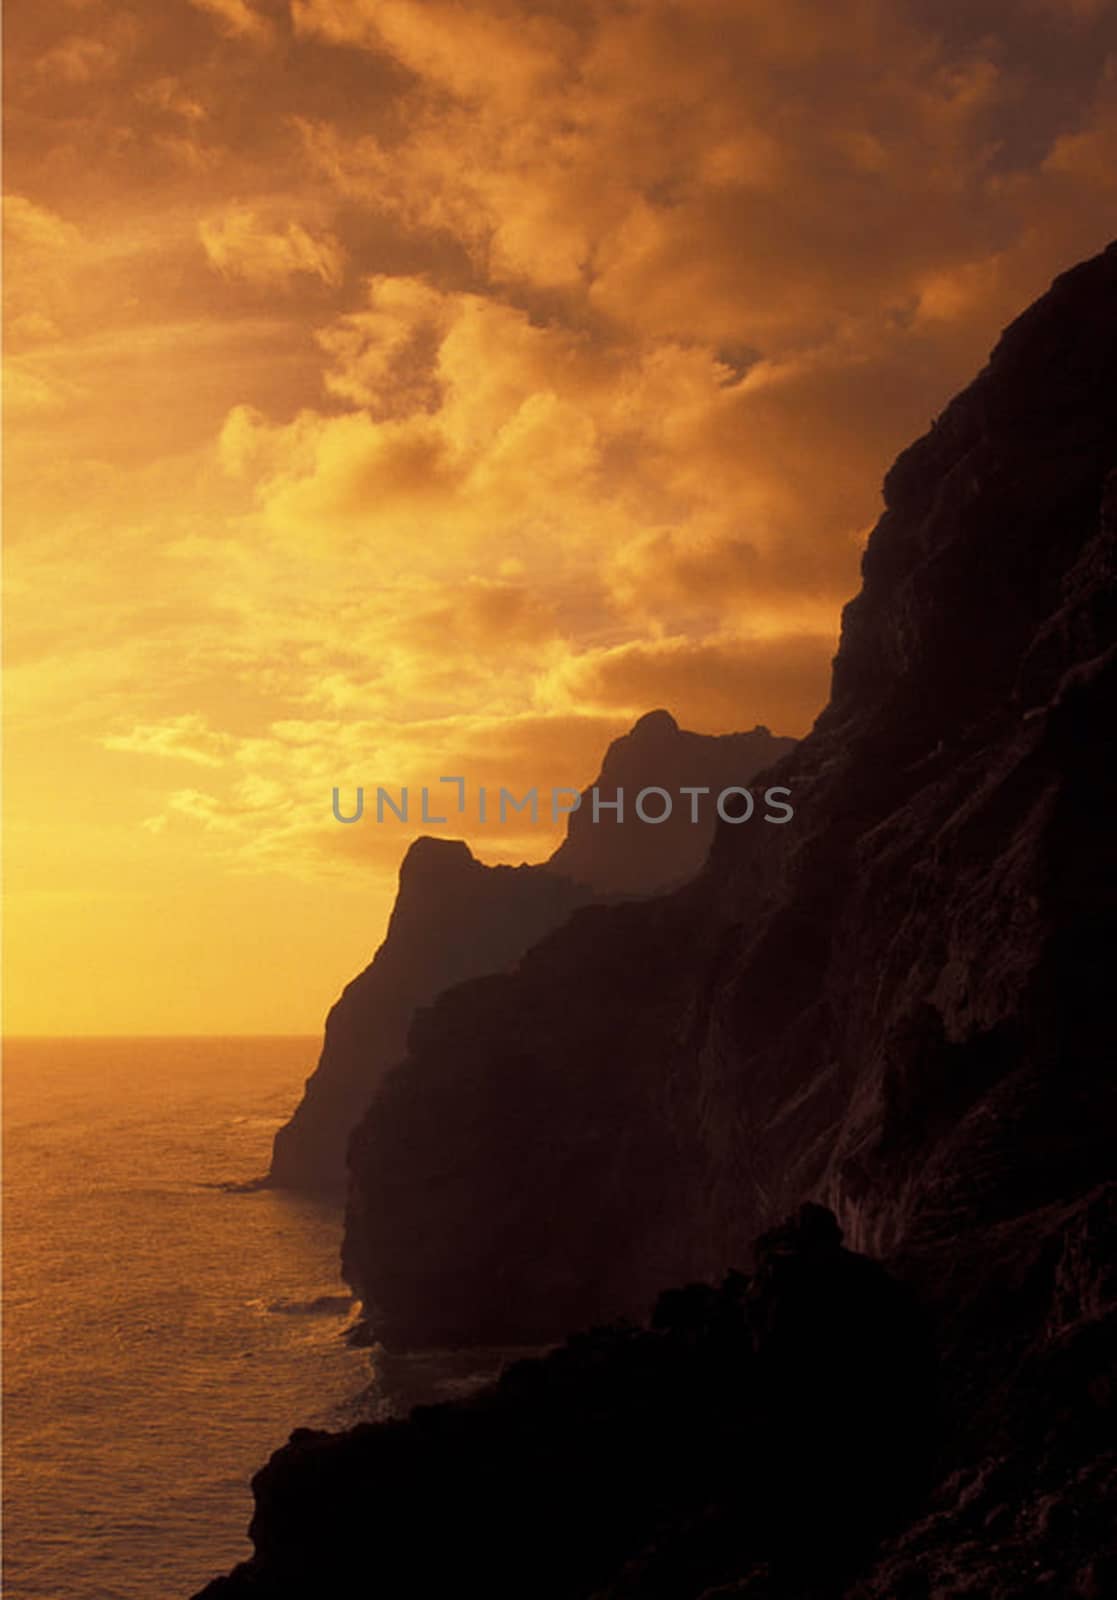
(398, 388)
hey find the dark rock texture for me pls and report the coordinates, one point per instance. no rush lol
(788, 1435)
(899, 1002)
(456, 918)
(624, 857)
(630, 1461)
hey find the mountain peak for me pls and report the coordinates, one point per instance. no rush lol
(618, 855)
(429, 855)
(654, 723)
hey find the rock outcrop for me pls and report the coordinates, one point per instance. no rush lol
(630, 1462)
(617, 856)
(787, 1435)
(456, 918)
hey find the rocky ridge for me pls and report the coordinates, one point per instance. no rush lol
(456, 918)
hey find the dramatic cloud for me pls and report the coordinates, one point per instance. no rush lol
(240, 245)
(706, 682)
(236, 17)
(402, 386)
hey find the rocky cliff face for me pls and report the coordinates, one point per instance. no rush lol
(899, 1002)
(456, 918)
(621, 856)
(787, 1435)
(619, 1464)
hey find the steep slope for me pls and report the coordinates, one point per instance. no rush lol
(456, 918)
(621, 856)
(621, 1462)
(900, 1001)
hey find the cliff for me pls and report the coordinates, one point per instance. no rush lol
(619, 1463)
(898, 1002)
(621, 856)
(787, 1435)
(456, 918)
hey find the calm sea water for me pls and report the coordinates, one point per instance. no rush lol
(162, 1335)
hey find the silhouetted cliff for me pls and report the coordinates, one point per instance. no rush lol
(455, 918)
(625, 857)
(655, 1461)
(899, 1002)
(787, 1435)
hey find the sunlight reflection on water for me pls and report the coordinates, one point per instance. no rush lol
(154, 1355)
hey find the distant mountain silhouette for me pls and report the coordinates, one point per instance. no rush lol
(893, 1017)
(627, 858)
(456, 918)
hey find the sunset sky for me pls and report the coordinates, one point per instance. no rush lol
(397, 388)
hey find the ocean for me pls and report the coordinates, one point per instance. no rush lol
(163, 1334)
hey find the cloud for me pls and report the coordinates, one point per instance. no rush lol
(712, 684)
(237, 18)
(45, 252)
(730, 267)
(28, 393)
(184, 738)
(239, 244)
(710, 172)
(658, 155)
(78, 60)
(272, 806)
(476, 52)
(35, 227)
(382, 355)
(537, 362)
(630, 488)
(166, 94)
